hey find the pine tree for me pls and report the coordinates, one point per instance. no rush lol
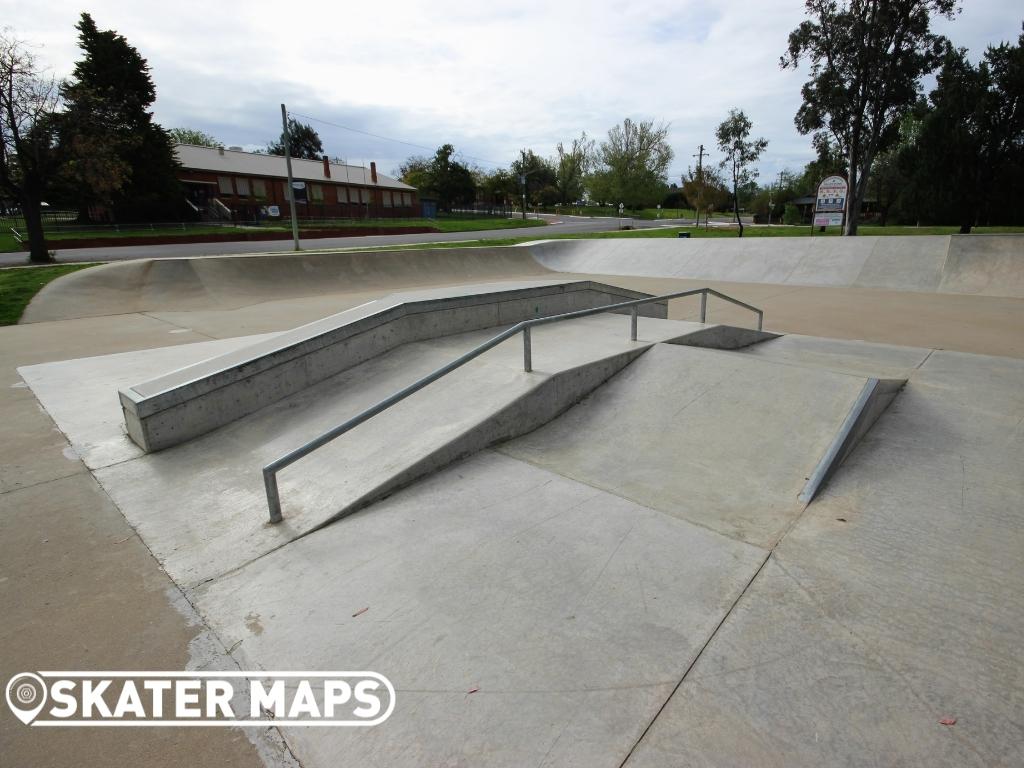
(116, 156)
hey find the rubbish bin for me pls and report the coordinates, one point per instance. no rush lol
(684, 234)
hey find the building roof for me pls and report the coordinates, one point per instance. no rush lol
(251, 163)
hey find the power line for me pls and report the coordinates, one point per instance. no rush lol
(388, 138)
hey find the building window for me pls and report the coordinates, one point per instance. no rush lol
(242, 185)
(387, 199)
(342, 195)
(406, 199)
(364, 196)
(316, 193)
(259, 189)
(224, 184)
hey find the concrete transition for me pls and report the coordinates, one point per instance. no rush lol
(989, 265)
(986, 265)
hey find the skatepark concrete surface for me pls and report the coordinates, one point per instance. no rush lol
(604, 561)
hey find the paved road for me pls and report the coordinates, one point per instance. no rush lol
(557, 225)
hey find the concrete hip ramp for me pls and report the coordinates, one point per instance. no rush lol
(987, 265)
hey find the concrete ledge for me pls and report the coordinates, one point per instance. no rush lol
(874, 398)
(184, 404)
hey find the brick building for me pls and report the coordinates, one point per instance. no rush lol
(245, 186)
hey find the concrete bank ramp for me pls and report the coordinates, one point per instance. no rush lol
(228, 282)
(989, 265)
(722, 439)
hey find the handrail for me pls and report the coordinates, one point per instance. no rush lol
(270, 470)
(17, 235)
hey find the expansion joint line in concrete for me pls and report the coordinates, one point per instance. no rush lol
(179, 327)
(696, 658)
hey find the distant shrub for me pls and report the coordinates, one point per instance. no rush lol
(791, 215)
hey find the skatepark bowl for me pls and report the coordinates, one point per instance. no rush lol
(594, 502)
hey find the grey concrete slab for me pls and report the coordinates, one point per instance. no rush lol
(859, 358)
(717, 438)
(80, 395)
(78, 590)
(572, 611)
(32, 449)
(895, 602)
(201, 507)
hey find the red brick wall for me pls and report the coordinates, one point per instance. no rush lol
(247, 207)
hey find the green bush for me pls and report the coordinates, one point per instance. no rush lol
(791, 215)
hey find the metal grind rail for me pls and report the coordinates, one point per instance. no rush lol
(270, 470)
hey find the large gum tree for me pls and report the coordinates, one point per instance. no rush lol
(867, 58)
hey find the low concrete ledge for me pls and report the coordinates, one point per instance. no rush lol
(192, 401)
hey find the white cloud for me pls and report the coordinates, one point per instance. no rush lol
(487, 79)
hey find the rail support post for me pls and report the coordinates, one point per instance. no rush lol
(527, 351)
(704, 305)
(273, 500)
(634, 317)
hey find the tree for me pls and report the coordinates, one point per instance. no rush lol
(634, 163)
(708, 187)
(303, 142)
(415, 171)
(574, 164)
(534, 174)
(28, 102)
(448, 181)
(969, 152)
(499, 187)
(740, 152)
(867, 58)
(114, 154)
(451, 181)
(193, 136)
(830, 161)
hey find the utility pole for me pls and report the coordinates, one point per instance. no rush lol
(771, 192)
(288, 163)
(700, 182)
(522, 179)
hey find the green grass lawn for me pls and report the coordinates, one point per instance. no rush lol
(8, 243)
(19, 284)
(646, 213)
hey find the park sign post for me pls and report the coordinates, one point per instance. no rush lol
(830, 204)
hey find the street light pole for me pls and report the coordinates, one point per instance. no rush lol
(288, 163)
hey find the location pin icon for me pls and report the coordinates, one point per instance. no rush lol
(26, 695)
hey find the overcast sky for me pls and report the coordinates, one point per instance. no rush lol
(490, 78)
